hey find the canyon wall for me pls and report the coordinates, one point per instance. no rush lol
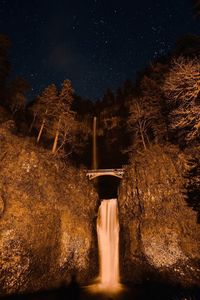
(160, 236)
(47, 210)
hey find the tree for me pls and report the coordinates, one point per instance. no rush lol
(17, 90)
(196, 4)
(43, 108)
(108, 98)
(182, 88)
(142, 120)
(63, 121)
(147, 109)
(187, 46)
(4, 64)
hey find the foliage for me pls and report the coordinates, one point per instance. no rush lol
(42, 108)
(63, 125)
(52, 114)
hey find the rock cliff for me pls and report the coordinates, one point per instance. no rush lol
(47, 212)
(160, 237)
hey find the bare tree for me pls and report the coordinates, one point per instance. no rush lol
(187, 118)
(182, 88)
(141, 120)
(182, 83)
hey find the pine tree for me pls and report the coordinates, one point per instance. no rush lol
(43, 108)
(63, 123)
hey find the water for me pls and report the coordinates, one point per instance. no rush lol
(108, 280)
(107, 286)
(94, 146)
(108, 243)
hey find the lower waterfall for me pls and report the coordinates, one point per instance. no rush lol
(108, 280)
(108, 243)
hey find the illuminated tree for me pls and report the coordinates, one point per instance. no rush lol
(187, 119)
(43, 108)
(146, 117)
(183, 81)
(142, 120)
(182, 88)
(52, 112)
(63, 124)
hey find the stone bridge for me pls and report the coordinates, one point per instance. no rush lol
(91, 174)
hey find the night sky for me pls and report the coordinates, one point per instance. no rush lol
(95, 43)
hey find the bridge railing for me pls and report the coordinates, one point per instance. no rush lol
(105, 170)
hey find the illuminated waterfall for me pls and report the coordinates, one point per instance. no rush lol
(94, 146)
(108, 244)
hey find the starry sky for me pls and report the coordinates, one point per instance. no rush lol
(95, 43)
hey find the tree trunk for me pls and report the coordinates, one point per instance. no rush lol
(41, 129)
(56, 138)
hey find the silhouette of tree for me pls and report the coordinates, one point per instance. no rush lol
(196, 4)
(152, 93)
(182, 88)
(5, 45)
(17, 98)
(187, 46)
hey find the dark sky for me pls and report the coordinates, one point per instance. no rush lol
(95, 43)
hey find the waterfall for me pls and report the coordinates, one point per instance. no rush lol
(108, 280)
(94, 144)
(108, 244)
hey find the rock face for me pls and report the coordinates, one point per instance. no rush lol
(47, 218)
(160, 237)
